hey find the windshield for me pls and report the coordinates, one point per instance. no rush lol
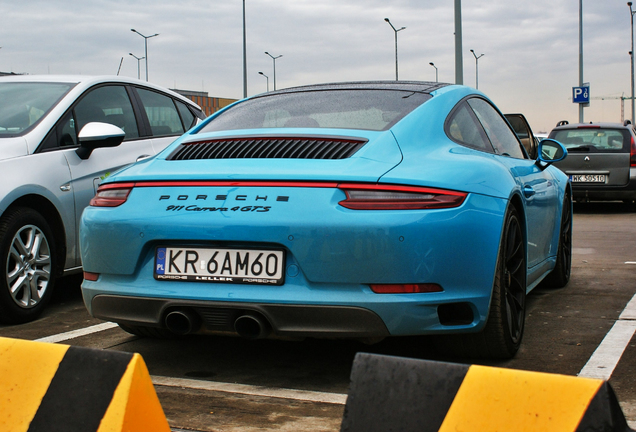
(594, 139)
(341, 109)
(23, 104)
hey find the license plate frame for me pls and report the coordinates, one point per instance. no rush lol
(589, 178)
(220, 265)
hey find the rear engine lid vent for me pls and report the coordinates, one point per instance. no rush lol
(269, 148)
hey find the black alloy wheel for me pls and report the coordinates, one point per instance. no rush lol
(513, 285)
(501, 337)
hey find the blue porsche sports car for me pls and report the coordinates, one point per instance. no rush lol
(351, 210)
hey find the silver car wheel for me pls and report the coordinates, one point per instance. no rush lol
(28, 266)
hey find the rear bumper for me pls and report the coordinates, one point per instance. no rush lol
(220, 317)
(582, 191)
(604, 193)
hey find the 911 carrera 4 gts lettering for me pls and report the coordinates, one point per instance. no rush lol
(194, 208)
(223, 198)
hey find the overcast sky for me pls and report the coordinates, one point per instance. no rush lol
(530, 62)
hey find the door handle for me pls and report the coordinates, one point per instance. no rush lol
(142, 157)
(528, 191)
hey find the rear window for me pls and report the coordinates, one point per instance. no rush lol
(24, 104)
(340, 109)
(594, 139)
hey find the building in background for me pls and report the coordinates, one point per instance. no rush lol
(208, 104)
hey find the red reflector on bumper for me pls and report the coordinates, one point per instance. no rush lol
(405, 288)
(91, 276)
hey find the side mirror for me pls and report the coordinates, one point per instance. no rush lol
(96, 135)
(551, 151)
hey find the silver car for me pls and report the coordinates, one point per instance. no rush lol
(60, 136)
(601, 160)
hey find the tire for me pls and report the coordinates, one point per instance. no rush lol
(560, 275)
(151, 332)
(501, 337)
(27, 262)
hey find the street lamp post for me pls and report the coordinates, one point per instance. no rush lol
(139, 59)
(244, 55)
(145, 47)
(631, 55)
(274, 60)
(396, 51)
(261, 73)
(433, 64)
(477, 57)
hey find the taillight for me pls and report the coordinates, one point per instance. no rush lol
(632, 158)
(394, 197)
(91, 276)
(112, 195)
(405, 288)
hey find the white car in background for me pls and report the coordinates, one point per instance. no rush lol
(60, 136)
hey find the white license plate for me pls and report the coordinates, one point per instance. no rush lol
(238, 266)
(588, 178)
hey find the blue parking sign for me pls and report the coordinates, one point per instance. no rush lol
(581, 94)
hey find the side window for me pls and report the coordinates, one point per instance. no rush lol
(186, 115)
(503, 139)
(162, 113)
(107, 104)
(67, 132)
(463, 127)
(62, 136)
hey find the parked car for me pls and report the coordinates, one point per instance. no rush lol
(59, 138)
(601, 161)
(352, 210)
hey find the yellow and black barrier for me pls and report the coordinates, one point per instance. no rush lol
(49, 388)
(401, 394)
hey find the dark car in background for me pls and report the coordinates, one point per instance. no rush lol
(601, 160)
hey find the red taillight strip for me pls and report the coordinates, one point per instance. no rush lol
(632, 156)
(422, 198)
(399, 188)
(111, 195)
(116, 186)
(439, 198)
(249, 183)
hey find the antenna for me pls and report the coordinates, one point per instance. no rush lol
(120, 63)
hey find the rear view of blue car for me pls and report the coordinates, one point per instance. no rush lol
(352, 210)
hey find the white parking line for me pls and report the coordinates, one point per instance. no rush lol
(77, 333)
(607, 355)
(301, 395)
(601, 365)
